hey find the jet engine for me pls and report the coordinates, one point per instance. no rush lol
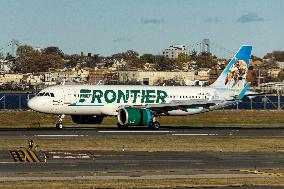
(130, 116)
(87, 119)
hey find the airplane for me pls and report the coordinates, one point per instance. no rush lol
(141, 105)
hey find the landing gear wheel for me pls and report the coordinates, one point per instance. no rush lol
(59, 125)
(121, 126)
(155, 125)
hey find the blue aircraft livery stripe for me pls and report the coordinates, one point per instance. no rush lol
(86, 105)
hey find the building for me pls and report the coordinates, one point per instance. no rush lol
(280, 64)
(274, 72)
(103, 74)
(256, 63)
(34, 79)
(5, 65)
(272, 87)
(78, 76)
(154, 77)
(11, 78)
(174, 50)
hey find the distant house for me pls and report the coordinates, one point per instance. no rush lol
(280, 64)
(5, 66)
(154, 77)
(150, 67)
(274, 72)
(11, 78)
(256, 63)
(34, 79)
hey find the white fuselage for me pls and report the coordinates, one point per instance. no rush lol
(107, 99)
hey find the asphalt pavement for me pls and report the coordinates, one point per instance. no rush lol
(178, 131)
(144, 164)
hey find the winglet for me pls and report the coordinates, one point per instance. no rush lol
(243, 92)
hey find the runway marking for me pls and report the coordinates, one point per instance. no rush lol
(24, 156)
(60, 135)
(192, 134)
(135, 131)
(263, 173)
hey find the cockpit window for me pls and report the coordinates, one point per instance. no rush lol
(40, 94)
(46, 94)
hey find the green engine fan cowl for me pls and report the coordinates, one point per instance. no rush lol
(134, 116)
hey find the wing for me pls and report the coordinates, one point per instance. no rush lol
(184, 105)
(206, 105)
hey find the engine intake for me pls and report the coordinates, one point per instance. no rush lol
(134, 116)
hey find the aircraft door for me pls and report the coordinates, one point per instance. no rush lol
(69, 96)
(57, 100)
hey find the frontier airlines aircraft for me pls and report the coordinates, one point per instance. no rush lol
(136, 105)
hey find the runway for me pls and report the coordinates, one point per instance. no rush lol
(175, 131)
(143, 165)
(66, 164)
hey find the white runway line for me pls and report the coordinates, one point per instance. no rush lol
(60, 135)
(190, 134)
(135, 131)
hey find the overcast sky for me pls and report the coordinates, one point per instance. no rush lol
(146, 26)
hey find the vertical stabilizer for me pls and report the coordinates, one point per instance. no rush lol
(235, 73)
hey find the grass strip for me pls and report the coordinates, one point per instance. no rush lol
(167, 183)
(251, 118)
(151, 143)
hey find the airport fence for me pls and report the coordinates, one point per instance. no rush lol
(14, 101)
(18, 101)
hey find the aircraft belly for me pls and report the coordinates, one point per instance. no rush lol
(75, 110)
(187, 112)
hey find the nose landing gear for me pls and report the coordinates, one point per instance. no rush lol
(59, 124)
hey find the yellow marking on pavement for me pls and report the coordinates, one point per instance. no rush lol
(24, 156)
(29, 159)
(33, 156)
(263, 172)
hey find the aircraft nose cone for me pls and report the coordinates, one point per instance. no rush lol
(32, 104)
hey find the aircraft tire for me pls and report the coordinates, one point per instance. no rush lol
(155, 125)
(121, 126)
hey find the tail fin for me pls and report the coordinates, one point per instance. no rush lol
(243, 92)
(234, 75)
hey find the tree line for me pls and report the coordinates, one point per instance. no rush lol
(30, 60)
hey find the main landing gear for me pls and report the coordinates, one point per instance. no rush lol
(59, 124)
(154, 124)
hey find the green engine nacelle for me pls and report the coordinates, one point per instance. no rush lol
(134, 116)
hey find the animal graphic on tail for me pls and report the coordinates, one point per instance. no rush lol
(237, 72)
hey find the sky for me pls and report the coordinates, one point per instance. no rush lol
(106, 27)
